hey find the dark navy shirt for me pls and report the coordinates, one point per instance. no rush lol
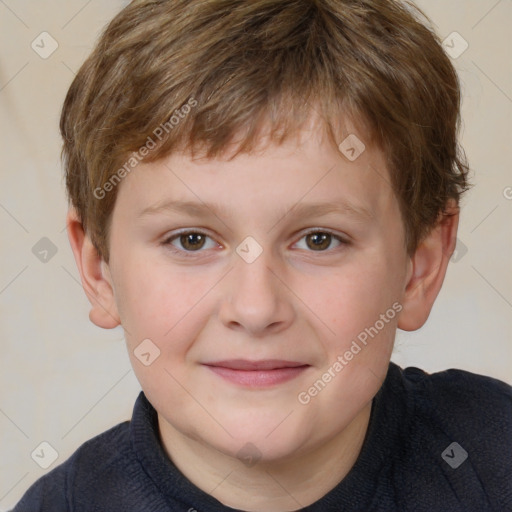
(435, 442)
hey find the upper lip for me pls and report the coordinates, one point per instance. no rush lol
(267, 364)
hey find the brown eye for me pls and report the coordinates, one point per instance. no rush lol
(318, 241)
(321, 241)
(192, 241)
(188, 242)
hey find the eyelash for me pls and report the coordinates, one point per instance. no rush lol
(191, 254)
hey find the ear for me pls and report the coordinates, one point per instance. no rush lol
(427, 269)
(94, 273)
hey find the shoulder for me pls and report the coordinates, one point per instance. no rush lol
(99, 455)
(460, 405)
(458, 433)
(468, 400)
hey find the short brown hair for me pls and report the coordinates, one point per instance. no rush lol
(244, 62)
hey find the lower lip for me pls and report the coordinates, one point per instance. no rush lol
(258, 378)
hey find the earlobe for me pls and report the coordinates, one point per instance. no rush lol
(94, 274)
(428, 269)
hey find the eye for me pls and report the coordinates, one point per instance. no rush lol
(189, 242)
(320, 240)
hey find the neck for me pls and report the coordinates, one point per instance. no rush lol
(270, 486)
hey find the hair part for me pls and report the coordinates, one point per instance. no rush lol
(252, 65)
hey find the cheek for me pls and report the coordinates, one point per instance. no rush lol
(151, 298)
(356, 303)
(354, 294)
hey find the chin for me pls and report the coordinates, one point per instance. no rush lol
(271, 448)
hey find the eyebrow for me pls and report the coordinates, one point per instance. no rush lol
(203, 209)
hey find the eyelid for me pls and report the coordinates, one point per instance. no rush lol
(340, 236)
(342, 239)
(166, 242)
(186, 231)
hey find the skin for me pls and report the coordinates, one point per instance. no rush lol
(294, 302)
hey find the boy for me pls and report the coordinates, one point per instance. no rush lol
(261, 193)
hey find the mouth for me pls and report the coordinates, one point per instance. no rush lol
(257, 374)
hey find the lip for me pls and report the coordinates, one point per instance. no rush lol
(265, 373)
(266, 364)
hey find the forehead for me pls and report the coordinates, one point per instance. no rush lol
(304, 175)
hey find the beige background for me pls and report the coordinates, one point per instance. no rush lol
(63, 380)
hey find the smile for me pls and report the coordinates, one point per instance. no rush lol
(257, 374)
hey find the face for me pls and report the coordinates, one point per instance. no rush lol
(269, 287)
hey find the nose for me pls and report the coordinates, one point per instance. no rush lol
(254, 298)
